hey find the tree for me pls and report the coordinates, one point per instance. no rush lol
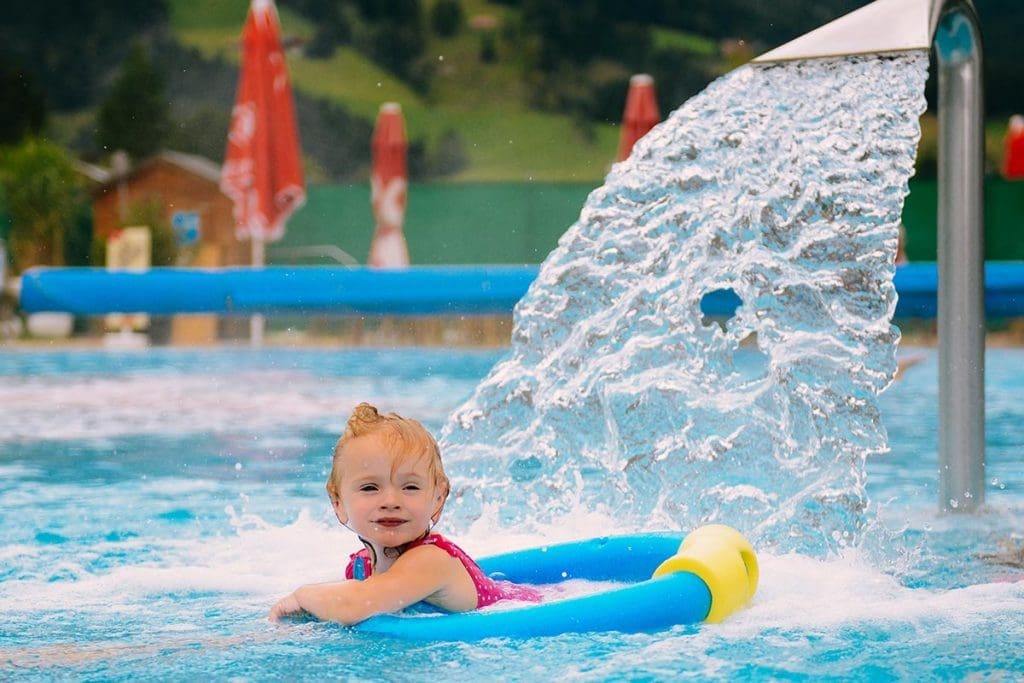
(69, 47)
(78, 238)
(397, 36)
(22, 106)
(332, 22)
(581, 31)
(44, 196)
(447, 17)
(147, 212)
(135, 115)
(150, 212)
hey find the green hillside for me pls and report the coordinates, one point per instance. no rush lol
(488, 112)
(512, 91)
(484, 104)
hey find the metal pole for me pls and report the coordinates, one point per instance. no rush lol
(961, 242)
(951, 28)
(256, 321)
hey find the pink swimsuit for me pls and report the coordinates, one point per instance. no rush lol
(488, 591)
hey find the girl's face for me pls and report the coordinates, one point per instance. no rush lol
(387, 499)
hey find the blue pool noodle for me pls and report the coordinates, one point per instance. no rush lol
(642, 604)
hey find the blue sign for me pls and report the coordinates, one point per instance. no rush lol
(186, 227)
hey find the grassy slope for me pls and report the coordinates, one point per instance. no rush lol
(504, 139)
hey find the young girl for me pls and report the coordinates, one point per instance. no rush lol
(388, 486)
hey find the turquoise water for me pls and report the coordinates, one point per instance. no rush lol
(154, 506)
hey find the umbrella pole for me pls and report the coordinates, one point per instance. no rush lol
(256, 322)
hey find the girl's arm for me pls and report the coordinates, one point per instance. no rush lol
(418, 574)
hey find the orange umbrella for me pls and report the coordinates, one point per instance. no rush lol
(388, 186)
(1013, 159)
(262, 171)
(641, 113)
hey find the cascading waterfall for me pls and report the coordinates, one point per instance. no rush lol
(782, 185)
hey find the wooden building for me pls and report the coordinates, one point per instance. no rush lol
(188, 188)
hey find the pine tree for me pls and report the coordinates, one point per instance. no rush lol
(22, 106)
(135, 115)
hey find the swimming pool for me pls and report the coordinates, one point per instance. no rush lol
(155, 504)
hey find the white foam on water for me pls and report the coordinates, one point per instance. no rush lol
(97, 407)
(806, 607)
(488, 535)
(260, 560)
(808, 594)
(17, 471)
(18, 550)
(264, 560)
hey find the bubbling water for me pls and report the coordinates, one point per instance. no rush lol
(780, 186)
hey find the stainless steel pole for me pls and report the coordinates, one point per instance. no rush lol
(256, 320)
(961, 242)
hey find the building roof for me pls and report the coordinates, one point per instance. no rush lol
(96, 174)
(191, 163)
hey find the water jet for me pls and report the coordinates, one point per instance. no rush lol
(950, 28)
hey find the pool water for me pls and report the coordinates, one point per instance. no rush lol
(155, 504)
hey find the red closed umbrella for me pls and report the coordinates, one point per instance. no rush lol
(641, 113)
(262, 171)
(1013, 158)
(388, 189)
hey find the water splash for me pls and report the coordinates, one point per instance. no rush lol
(780, 186)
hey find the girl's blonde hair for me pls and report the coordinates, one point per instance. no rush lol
(407, 437)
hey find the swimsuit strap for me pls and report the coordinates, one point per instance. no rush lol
(359, 565)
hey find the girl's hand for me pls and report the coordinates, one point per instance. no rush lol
(286, 606)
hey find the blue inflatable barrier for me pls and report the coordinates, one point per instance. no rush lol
(713, 568)
(917, 287)
(412, 291)
(277, 289)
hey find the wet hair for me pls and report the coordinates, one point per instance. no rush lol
(406, 437)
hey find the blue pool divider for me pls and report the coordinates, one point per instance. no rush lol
(419, 290)
(278, 289)
(916, 284)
